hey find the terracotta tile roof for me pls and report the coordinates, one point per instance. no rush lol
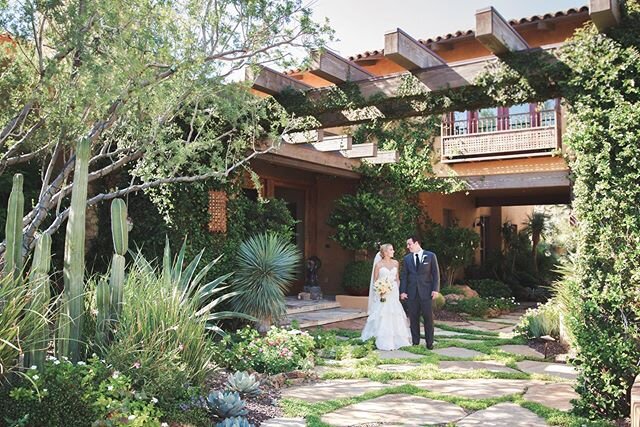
(460, 34)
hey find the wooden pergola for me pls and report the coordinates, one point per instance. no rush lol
(382, 95)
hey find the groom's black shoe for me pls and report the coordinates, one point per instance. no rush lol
(429, 346)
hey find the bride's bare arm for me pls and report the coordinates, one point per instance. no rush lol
(397, 271)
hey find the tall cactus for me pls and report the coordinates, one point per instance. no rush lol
(120, 234)
(39, 306)
(13, 229)
(73, 271)
(103, 318)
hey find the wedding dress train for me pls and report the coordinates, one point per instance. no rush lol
(387, 321)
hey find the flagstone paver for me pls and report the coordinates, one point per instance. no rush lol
(397, 354)
(463, 366)
(453, 324)
(334, 389)
(484, 388)
(503, 415)
(405, 367)
(556, 396)
(457, 352)
(284, 422)
(505, 320)
(555, 369)
(396, 409)
(523, 350)
(490, 326)
(443, 333)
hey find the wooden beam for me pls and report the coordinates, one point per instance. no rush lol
(518, 180)
(409, 53)
(383, 156)
(305, 137)
(336, 69)
(362, 150)
(273, 82)
(333, 143)
(525, 200)
(312, 159)
(495, 33)
(604, 13)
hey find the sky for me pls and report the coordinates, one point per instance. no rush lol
(360, 24)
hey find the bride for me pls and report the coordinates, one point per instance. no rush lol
(387, 321)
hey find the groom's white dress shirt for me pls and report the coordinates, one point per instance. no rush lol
(420, 255)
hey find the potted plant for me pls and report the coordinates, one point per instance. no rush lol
(356, 278)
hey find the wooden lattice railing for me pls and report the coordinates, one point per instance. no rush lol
(516, 135)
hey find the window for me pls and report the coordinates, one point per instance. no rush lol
(519, 116)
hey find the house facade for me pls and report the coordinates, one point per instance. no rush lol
(509, 157)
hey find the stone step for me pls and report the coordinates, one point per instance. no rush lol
(294, 305)
(310, 319)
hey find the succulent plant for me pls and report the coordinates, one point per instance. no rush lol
(243, 383)
(226, 404)
(235, 422)
(13, 229)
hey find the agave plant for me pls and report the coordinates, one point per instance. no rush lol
(243, 383)
(226, 404)
(235, 422)
(266, 267)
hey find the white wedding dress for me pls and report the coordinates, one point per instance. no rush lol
(387, 321)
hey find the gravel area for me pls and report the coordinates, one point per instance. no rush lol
(448, 316)
(553, 348)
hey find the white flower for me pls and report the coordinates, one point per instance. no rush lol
(33, 367)
(154, 400)
(44, 390)
(110, 387)
(50, 358)
(115, 374)
(164, 425)
(131, 417)
(56, 362)
(36, 377)
(81, 363)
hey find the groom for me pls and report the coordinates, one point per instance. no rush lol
(419, 285)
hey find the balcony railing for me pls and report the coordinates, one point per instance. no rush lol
(509, 136)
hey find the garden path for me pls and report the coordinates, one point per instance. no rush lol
(478, 375)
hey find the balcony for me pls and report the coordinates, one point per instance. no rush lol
(474, 136)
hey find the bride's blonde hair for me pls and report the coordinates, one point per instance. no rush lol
(384, 247)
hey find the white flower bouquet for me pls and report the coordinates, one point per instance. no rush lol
(382, 287)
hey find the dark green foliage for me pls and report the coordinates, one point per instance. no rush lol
(490, 288)
(474, 306)
(357, 277)
(266, 265)
(604, 100)
(454, 246)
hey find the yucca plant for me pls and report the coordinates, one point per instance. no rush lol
(266, 267)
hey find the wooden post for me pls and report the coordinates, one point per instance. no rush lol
(635, 403)
(604, 13)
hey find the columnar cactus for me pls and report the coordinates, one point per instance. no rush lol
(73, 270)
(103, 318)
(120, 234)
(41, 295)
(13, 229)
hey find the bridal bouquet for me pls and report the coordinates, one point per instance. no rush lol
(382, 287)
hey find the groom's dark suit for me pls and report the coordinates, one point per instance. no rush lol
(418, 281)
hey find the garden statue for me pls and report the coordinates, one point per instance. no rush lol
(311, 285)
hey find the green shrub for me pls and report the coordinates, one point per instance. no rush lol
(266, 266)
(475, 306)
(81, 394)
(357, 277)
(490, 288)
(449, 290)
(280, 350)
(540, 321)
(439, 302)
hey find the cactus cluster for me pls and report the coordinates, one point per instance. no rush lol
(13, 229)
(40, 297)
(243, 383)
(109, 294)
(235, 422)
(226, 404)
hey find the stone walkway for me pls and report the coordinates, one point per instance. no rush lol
(451, 385)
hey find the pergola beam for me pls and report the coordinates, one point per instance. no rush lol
(409, 53)
(495, 33)
(382, 157)
(331, 67)
(604, 13)
(333, 143)
(273, 82)
(369, 149)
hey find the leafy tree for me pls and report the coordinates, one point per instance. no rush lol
(146, 82)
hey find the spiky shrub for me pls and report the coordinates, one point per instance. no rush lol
(226, 404)
(540, 321)
(235, 422)
(266, 266)
(162, 329)
(243, 383)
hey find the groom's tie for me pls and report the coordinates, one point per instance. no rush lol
(417, 261)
